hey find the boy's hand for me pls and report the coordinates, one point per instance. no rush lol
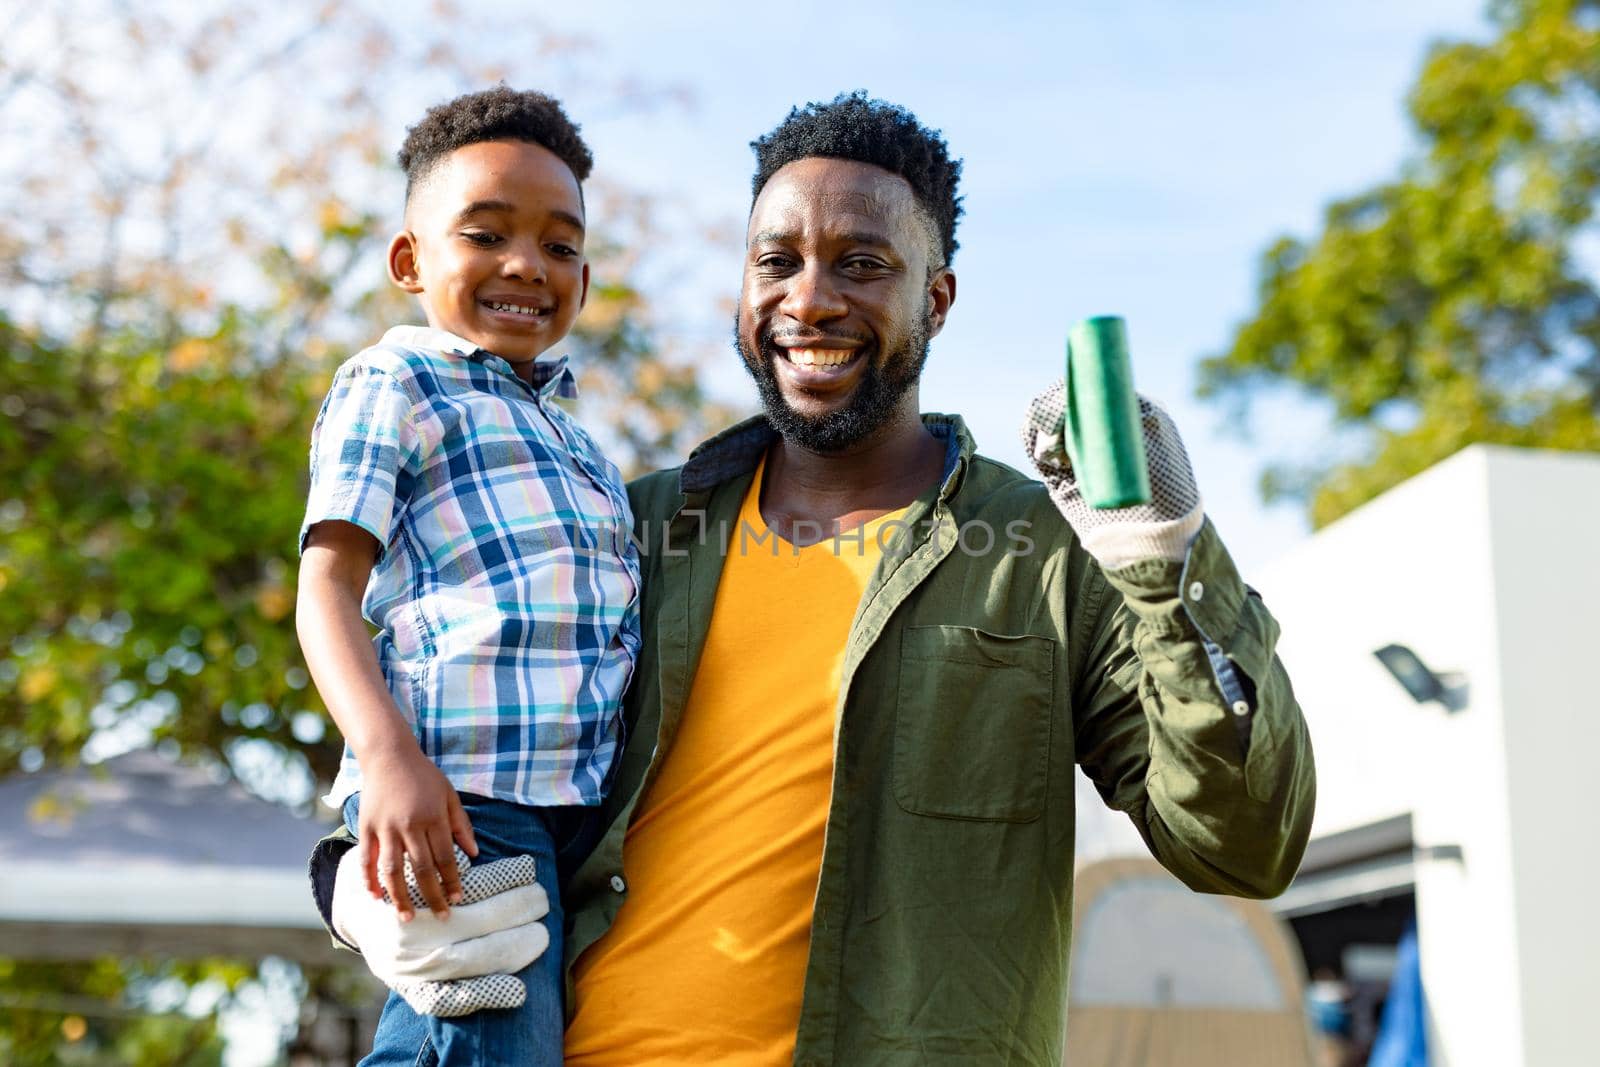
(410, 814)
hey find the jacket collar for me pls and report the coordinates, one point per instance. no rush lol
(736, 451)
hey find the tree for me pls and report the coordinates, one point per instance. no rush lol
(1456, 304)
(192, 217)
(181, 278)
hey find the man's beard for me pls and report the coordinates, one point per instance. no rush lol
(872, 405)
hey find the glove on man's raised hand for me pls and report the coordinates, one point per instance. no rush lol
(1116, 537)
(458, 966)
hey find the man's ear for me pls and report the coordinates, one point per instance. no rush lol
(941, 294)
(403, 270)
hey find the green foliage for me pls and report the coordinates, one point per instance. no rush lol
(149, 541)
(1452, 306)
(70, 1014)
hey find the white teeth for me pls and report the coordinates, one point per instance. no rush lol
(819, 357)
(517, 308)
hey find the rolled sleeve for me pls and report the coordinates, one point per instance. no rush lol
(362, 448)
(1204, 595)
(1217, 772)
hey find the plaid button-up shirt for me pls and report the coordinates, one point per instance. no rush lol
(506, 589)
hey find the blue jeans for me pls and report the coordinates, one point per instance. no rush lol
(529, 1036)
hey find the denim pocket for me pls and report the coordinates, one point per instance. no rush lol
(972, 724)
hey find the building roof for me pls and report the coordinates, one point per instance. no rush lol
(144, 854)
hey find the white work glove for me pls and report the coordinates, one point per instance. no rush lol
(455, 966)
(1116, 537)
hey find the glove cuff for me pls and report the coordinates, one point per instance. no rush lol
(1118, 544)
(451, 1000)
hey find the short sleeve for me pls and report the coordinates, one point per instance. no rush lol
(362, 450)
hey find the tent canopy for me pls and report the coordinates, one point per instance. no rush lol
(1162, 975)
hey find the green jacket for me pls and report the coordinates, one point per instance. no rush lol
(972, 683)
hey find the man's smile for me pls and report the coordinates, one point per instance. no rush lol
(814, 368)
(819, 357)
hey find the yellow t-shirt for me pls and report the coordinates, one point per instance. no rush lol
(706, 960)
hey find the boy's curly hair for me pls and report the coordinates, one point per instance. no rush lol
(853, 126)
(498, 114)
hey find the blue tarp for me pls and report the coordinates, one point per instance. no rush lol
(1403, 1032)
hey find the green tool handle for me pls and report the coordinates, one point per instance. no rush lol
(1103, 436)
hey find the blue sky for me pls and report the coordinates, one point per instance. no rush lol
(1127, 159)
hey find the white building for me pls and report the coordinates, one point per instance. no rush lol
(1475, 809)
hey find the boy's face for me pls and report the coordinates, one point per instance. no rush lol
(493, 247)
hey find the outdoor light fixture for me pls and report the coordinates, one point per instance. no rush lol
(1418, 679)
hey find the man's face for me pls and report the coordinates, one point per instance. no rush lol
(838, 303)
(493, 247)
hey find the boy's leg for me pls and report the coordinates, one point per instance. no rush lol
(529, 1036)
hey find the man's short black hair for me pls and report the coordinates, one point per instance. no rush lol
(498, 114)
(856, 127)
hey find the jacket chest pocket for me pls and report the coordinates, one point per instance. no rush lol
(972, 724)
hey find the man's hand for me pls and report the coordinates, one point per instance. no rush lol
(1116, 537)
(456, 967)
(409, 820)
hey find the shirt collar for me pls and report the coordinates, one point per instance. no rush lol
(550, 376)
(738, 450)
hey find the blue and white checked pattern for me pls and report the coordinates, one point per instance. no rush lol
(506, 591)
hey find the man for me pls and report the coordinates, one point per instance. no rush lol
(842, 828)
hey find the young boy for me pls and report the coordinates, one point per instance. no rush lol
(482, 532)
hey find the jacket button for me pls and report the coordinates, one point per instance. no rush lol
(1196, 590)
(1241, 708)
(618, 884)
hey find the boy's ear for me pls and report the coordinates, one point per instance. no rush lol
(403, 262)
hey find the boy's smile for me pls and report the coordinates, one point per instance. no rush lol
(493, 247)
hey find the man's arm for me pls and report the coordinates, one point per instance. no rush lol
(408, 807)
(1225, 809)
(1183, 714)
